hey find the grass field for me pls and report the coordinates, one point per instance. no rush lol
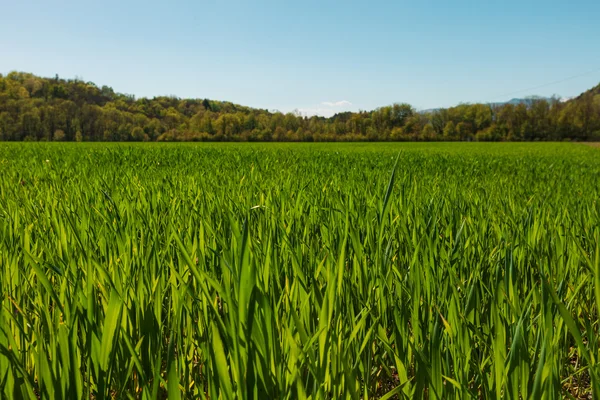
(299, 271)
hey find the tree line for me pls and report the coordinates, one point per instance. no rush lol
(33, 108)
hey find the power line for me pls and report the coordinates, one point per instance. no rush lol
(545, 84)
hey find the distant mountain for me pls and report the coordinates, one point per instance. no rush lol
(515, 101)
(527, 101)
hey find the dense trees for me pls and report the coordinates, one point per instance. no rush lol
(34, 108)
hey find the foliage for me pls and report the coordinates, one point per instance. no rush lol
(34, 108)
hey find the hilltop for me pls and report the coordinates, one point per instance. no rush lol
(594, 92)
(38, 108)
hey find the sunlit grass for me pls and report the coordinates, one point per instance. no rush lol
(299, 271)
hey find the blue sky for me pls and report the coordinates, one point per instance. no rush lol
(316, 56)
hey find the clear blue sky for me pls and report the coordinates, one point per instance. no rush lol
(310, 54)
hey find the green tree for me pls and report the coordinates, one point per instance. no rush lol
(137, 134)
(464, 130)
(428, 132)
(450, 130)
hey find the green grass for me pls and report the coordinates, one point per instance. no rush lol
(299, 271)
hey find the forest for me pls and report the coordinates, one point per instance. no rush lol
(34, 108)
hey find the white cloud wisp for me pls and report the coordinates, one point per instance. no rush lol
(341, 103)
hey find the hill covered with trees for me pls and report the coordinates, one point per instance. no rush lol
(36, 108)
